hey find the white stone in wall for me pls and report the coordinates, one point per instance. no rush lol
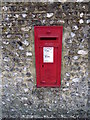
(51, 22)
(82, 52)
(79, 0)
(6, 85)
(5, 42)
(8, 99)
(67, 84)
(33, 15)
(26, 89)
(24, 15)
(81, 14)
(19, 79)
(24, 98)
(65, 89)
(21, 48)
(62, 0)
(72, 34)
(75, 57)
(61, 21)
(7, 18)
(50, 0)
(8, 36)
(6, 59)
(75, 27)
(17, 54)
(25, 42)
(75, 79)
(25, 28)
(16, 15)
(28, 54)
(3, 103)
(88, 21)
(43, 21)
(5, 8)
(68, 74)
(49, 15)
(81, 21)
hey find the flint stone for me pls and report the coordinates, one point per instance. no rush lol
(88, 21)
(25, 42)
(5, 42)
(81, 21)
(75, 27)
(75, 57)
(67, 84)
(25, 29)
(26, 90)
(24, 15)
(24, 98)
(5, 8)
(6, 59)
(72, 34)
(21, 48)
(16, 15)
(49, 15)
(82, 52)
(28, 54)
(68, 74)
(75, 79)
(81, 14)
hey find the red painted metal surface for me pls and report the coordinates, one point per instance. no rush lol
(48, 50)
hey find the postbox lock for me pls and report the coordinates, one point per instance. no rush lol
(42, 65)
(48, 45)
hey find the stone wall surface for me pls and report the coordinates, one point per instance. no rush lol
(20, 97)
(45, 1)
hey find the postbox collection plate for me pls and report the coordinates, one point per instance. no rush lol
(48, 52)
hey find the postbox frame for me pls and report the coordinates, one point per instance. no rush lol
(57, 38)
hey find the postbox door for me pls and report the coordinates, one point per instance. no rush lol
(48, 65)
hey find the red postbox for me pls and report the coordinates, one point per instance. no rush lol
(48, 52)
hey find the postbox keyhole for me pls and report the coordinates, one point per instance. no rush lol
(42, 65)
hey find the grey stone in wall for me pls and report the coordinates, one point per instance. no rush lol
(20, 97)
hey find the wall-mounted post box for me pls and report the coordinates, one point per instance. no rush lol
(48, 49)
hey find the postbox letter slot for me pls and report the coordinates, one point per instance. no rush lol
(48, 38)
